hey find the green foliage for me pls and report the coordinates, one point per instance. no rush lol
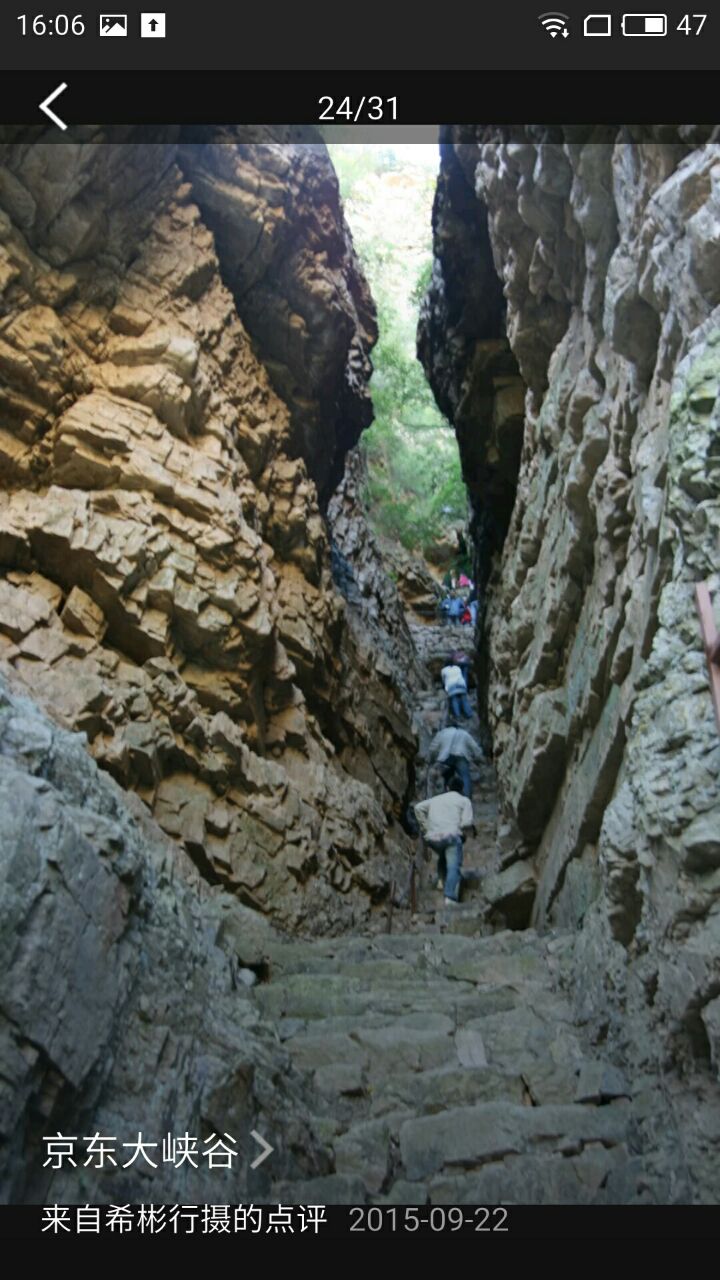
(415, 487)
(355, 164)
(423, 284)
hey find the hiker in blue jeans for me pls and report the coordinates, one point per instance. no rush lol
(456, 690)
(443, 820)
(450, 856)
(453, 748)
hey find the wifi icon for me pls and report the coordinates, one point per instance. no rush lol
(556, 24)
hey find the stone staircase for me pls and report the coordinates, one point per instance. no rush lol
(441, 1060)
(447, 1069)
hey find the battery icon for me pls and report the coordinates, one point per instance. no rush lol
(644, 24)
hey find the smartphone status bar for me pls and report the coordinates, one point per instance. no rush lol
(215, 36)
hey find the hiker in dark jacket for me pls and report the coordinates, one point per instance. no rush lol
(453, 748)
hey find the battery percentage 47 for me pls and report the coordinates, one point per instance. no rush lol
(687, 24)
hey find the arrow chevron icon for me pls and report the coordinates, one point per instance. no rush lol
(45, 106)
(265, 1145)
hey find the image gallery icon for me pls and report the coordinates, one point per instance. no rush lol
(113, 24)
(152, 25)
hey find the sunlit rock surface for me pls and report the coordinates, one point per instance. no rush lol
(166, 577)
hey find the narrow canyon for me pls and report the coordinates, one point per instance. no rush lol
(218, 692)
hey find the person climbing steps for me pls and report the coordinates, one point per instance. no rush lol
(456, 608)
(455, 687)
(459, 658)
(444, 820)
(454, 748)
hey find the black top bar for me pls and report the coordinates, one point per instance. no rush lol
(347, 100)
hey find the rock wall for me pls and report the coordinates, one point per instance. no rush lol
(287, 255)
(606, 506)
(123, 1004)
(166, 582)
(367, 576)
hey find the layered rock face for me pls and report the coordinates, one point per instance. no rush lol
(604, 506)
(166, 579)
(288, 258)
(363, 570)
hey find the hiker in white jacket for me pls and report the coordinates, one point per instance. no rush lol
(443, 820)
(456, 689)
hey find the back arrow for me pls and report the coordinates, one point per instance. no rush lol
(266, 1148)
(45, 106)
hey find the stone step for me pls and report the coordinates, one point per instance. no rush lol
(493, 1033)
(437, 919)
(490, 1152)
(395, 950)
(467, 1137)
(431, 1092)
(319, 997)
(391, 960)
(596, 1175)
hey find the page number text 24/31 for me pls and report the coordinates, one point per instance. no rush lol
(364, 108)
